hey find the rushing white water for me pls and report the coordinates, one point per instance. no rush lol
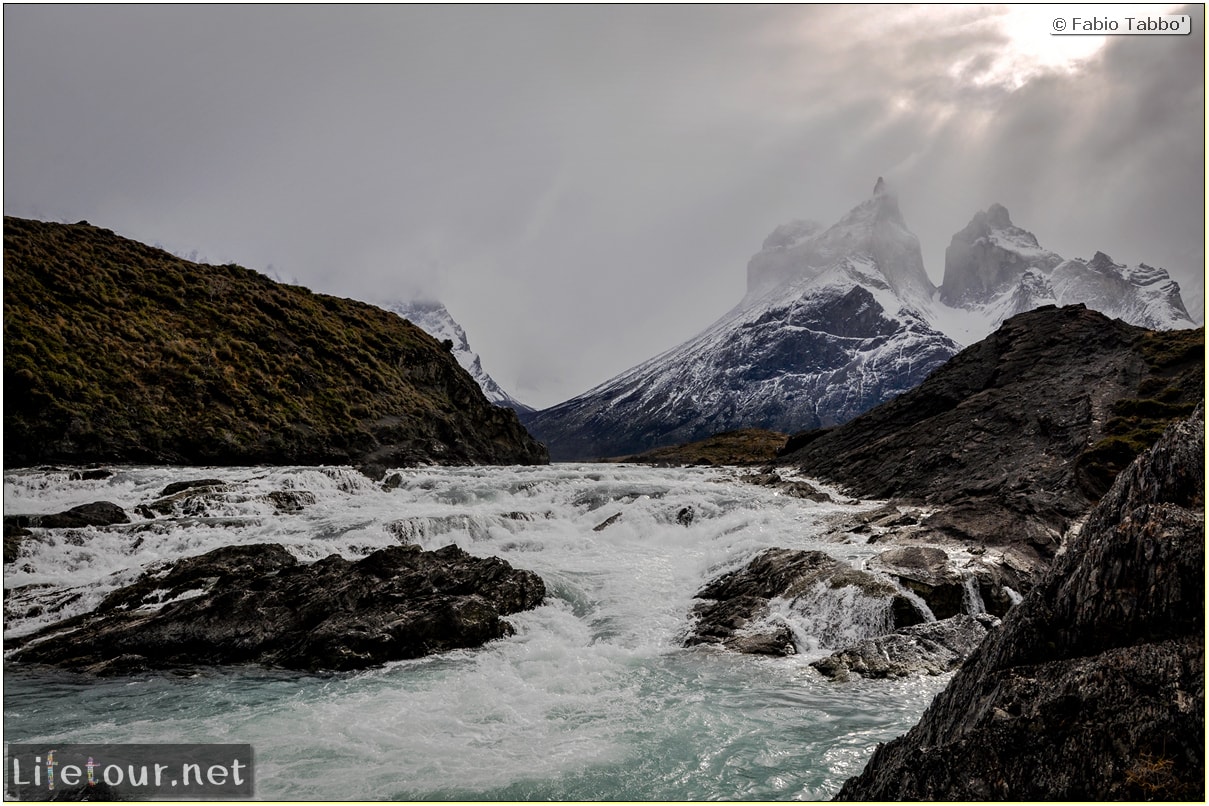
(972, 597)
(593, 698)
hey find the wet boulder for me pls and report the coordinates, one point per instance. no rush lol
(186, 498)
(736, 611)
(17, 527)
(932, 648)
(99, 513)
(259, 605)
(926, 570)
(180, 486)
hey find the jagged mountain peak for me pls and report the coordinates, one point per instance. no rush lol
(791, 234)
(997, 216)
(995, 269)
(833, 323)
(874, 229)
(433, 318)
(986, 259)
(1102, 263)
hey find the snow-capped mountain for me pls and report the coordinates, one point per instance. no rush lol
(833, 323)
(874, 229)
(995, 270)
(433, 319)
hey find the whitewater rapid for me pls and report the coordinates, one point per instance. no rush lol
(593, 698)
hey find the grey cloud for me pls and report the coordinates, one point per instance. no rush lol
(581, 185)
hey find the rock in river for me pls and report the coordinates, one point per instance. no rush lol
(258, 605)
(734, 610)
(933, 648)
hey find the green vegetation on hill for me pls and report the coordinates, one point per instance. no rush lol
(115, 351)
(1175, 384)
(747, 446)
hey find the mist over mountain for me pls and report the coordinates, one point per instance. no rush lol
(995, 270)
(834, 321)
(838, 319)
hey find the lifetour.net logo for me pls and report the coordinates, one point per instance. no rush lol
(127, 771)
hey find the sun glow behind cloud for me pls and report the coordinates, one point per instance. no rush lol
(1030, 48)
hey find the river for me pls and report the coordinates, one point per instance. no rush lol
(594, 698)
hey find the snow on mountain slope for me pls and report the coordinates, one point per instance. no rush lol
(995, 270)
(434, 319)
(1140, 295)
(834, 322)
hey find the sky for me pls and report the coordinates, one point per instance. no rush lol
(582, 186)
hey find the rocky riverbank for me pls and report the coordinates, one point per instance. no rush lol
(1004, 448)
(1093, 688)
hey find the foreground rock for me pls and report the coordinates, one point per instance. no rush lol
(257, 604)
(99, 513)
(936, 647)
(736, 608)
(1094, 686)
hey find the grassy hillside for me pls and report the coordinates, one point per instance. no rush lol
(115, 351)
(747, 446)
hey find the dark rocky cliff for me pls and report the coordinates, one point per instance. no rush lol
(1017, 435)
(115, 351)
(1093, 688)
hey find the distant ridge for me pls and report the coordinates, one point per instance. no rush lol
(839, 319)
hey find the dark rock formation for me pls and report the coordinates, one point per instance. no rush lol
(794, 488)
(1016, 436)
(257, 604)
(926, 571)
(1093, 689)
(734, 611)
(99, 513)
(118, 352)
(936, 647)
(607, 522)
(180, 486)
(14, 535)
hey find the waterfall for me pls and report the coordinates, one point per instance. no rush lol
(915, 599)
(972, 597)
(833, 618)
